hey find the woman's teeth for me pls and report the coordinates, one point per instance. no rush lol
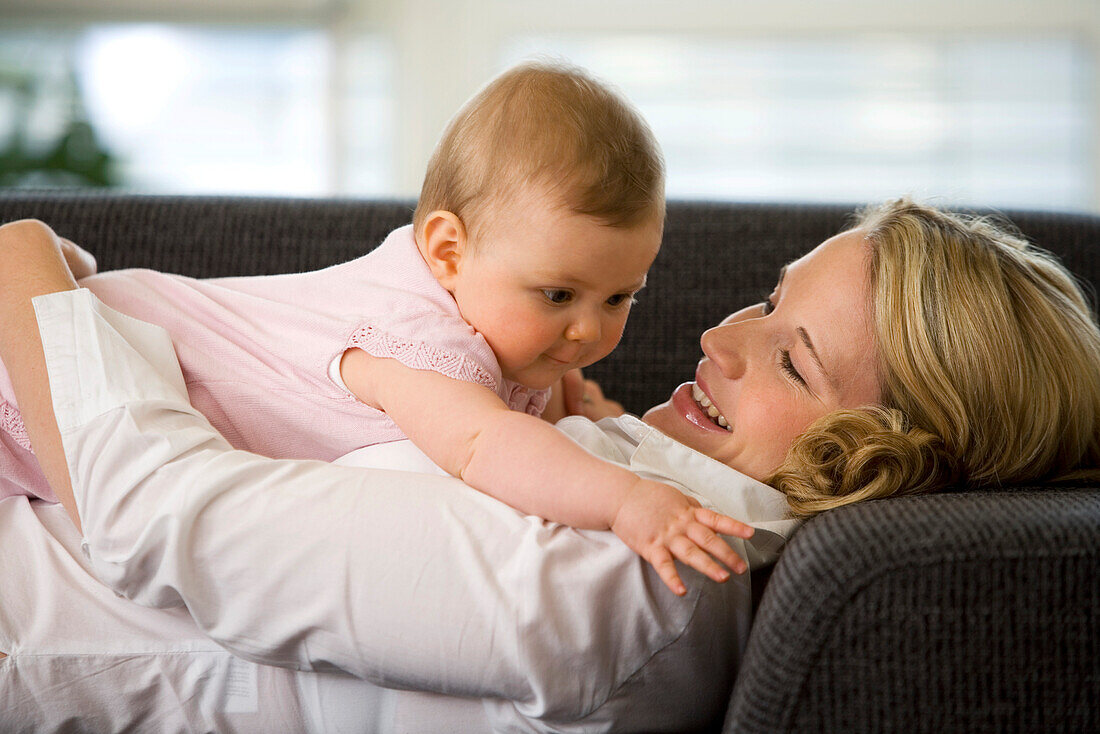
(708, 407)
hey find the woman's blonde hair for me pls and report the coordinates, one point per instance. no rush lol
(990, 361)
(551, 125)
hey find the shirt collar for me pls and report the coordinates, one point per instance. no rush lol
(651, 454)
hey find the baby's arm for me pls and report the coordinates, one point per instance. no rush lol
(527, 463)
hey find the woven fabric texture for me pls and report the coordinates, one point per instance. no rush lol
(716, 258)
(975, 612)
(969, 612)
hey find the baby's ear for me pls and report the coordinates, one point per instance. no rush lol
(442, 243)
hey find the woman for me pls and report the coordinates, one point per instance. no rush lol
(897, 357)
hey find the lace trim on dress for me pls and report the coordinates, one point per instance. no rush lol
(421, 356)
(11, 422)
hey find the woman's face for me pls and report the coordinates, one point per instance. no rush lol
(771, 370)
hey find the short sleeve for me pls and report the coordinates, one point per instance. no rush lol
(11, 423)
(430, 341)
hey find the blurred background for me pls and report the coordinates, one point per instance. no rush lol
(974, 103)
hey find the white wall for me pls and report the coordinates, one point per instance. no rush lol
(444, 49)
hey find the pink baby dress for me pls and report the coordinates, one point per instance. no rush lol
(256, 351)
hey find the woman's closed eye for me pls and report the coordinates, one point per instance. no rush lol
(787, 366)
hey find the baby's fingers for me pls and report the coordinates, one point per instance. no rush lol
(723, 524)
(691, 554)
(717, 547)
(665, 567)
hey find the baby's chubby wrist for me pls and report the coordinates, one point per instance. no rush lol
(623, 497)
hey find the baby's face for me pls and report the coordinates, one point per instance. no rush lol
(551, 290)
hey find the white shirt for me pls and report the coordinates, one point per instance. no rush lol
(82, 659)
(405, 581)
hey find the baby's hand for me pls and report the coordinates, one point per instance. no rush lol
(573, 394)
(660, 524)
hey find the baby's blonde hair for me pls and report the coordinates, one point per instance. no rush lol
(552, 126)
(990, 361)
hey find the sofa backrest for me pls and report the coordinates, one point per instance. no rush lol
(717, 256)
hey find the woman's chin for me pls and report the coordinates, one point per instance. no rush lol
(657, 416)
(681, 419)
(670, 419)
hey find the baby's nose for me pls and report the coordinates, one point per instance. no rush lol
(585, 328)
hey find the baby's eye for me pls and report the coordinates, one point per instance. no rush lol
(557, 295)
(767, 306)
(620, 298)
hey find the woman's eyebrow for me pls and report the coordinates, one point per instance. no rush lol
(805, 337)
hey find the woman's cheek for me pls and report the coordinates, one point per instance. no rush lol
(773, 433)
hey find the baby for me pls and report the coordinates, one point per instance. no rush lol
(541, 212)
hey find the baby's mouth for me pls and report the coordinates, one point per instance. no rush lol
(572, 358)
(708, 407)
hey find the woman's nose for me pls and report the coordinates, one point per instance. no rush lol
(584, 328)
(724, 346)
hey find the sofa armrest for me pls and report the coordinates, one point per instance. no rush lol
(975, 612)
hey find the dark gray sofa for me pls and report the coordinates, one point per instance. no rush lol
(968, 611)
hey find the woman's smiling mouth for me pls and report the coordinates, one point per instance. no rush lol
(708, 407)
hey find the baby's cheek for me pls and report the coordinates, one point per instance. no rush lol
(607, 346)
(614, 333)
(528, 335)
